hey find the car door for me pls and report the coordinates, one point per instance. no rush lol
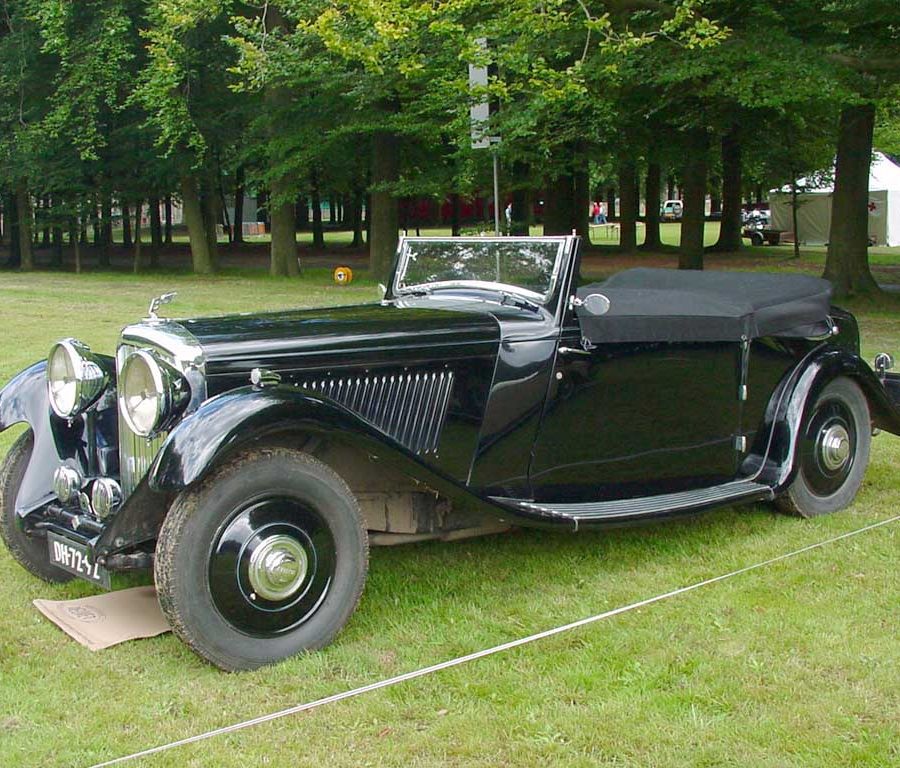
(636, 419)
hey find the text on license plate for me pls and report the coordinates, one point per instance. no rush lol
(74, 558)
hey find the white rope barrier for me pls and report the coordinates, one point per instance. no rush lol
(391, 681)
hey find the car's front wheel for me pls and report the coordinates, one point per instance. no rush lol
(266, 558)
(832, 454)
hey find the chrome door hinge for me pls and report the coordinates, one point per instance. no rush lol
(745, 368)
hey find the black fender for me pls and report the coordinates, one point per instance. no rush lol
(26, 399)
(809, 379)
(242, 417)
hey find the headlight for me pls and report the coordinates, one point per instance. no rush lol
(75, 378)
(151, 393)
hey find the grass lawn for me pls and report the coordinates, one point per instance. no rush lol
(792, 665)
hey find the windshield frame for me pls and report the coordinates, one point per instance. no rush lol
(398, 289)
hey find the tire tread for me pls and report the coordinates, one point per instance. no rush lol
(167, 575)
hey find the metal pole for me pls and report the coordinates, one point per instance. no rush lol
(496, 193)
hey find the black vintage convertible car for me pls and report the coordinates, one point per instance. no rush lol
(250, 460)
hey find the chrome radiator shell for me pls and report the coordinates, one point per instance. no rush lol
(176, 346)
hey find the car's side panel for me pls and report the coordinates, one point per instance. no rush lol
(639, 419)
(770, 361)
(512, 417)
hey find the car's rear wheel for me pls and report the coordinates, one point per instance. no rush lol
(31, 553)
(265, 559)
(832, 454)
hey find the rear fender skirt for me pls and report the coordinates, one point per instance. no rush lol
(823, 367)
(247, 416)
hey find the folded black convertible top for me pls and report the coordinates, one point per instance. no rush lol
(688, 305)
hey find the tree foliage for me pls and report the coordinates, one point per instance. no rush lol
(105, 103)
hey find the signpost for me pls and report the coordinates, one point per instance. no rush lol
(479, 118)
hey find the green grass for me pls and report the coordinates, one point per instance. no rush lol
(793, 665)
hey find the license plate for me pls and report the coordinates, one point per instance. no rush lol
(75, 558)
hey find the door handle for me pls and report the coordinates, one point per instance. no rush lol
(573, 351)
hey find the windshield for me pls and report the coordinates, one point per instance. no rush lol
(524, 265)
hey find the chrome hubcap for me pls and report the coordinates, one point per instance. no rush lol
(278, 567)
(834, 447)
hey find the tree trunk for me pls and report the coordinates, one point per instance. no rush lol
(56, 237)
(74, 235)
(731, 226)
(652, 190)
(318, 233)
(455, 211)
(106, 237)
(847, 261)
(357, 218)
(715, 195)
(283, 253)
(127, 240)
(155, 223)
(97, 229)
(301, 212)
(332, 210)
(12, 211)
(520, 206)
(628, 198)
(45, 215)
(670, 187)
(794, 207)
(262, 209)
(384, 213)
(559, 205)
(693, 219)
(168, 212)
(209, 201)
(345, 207)
(581, 189)
(138, 250)
(201, 258)
(237, 234)
(610, 203)
(23, 208)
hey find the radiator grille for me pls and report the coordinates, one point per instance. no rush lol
(136, 453)
(410, 407)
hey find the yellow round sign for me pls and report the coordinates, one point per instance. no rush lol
(343, 275)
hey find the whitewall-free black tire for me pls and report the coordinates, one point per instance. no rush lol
(265, 558)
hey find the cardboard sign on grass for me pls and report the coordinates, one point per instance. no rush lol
(100, 621)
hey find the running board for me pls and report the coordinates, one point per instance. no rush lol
(647, 506)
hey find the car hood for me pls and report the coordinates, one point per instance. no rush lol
(340, 337)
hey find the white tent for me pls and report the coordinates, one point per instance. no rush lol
(814, 206)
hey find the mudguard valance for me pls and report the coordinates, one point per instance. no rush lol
(648, 305)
